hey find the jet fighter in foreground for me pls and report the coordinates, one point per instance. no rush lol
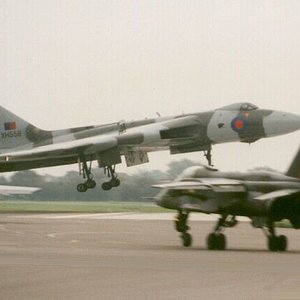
(24, 146)
(264, 197)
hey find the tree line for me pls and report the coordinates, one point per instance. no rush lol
(136, 187)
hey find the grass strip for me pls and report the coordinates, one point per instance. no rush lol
(80, 207)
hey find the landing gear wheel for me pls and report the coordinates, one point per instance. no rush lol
(85, 170)
(221, 242)
(216, 241)
(106, 186)
(211, 241)
(82, 187)
(91, 184)
(282, 243)
(272, 245)
(277, 243)
(115, 182)
(186, 239)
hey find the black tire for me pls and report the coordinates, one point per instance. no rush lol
(220, 241)
(186, 239)
(115, 182)
(106, 186)
(81, 187)
(211, 241)
(281, 243)
(272, 243)
(91, 184)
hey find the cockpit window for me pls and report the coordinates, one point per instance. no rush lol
(248, 106)
(240, 107)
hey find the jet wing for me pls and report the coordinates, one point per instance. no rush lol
(217, 184)
(182, 185)
(87, 146)
(8, 190)
(277, 194)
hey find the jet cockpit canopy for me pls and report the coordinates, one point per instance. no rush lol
(245, 106)
(197, 172)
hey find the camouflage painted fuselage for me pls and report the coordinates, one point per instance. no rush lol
(24, 146)
(253, 194)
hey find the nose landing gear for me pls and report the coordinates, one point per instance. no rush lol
(217, 240)
(182, 227)
(208, 156)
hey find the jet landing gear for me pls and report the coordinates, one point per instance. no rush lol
(182, 227)
(217, 240)
(114, 182)
(275, 242)
(208, 156)
(87, 174)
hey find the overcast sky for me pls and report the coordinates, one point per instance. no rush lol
(71, 63)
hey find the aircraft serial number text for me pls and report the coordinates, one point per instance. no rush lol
(11, 134)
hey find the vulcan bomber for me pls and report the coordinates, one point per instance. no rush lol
(264, 197)
(25, 146)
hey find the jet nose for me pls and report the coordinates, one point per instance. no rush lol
(160, 198)
(166, 200)
(279, 122)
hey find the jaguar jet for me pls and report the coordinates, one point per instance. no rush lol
(264, 197)
(25, 146)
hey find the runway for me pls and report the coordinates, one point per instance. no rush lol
(136, 256)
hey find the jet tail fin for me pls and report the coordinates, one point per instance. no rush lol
(294, 169)
(15, 132)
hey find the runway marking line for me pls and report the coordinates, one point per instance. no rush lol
(124, 216)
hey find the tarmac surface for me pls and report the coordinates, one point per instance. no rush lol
(139, 256)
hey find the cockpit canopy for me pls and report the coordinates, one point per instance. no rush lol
(245, 106)
(197, 172)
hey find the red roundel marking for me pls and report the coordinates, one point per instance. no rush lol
(239, 124)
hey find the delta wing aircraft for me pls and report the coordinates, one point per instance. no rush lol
(24, 146)
(264, 197)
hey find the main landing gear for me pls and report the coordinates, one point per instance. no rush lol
(90, 183)
(275, 242)
(217, 240)
(85, 170)
(114, 181)
(182, 227)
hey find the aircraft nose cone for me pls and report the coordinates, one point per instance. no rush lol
(279, 122)
(160, 199)
(163, 199)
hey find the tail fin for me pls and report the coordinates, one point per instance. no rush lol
(294, 169)
(15, 132)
